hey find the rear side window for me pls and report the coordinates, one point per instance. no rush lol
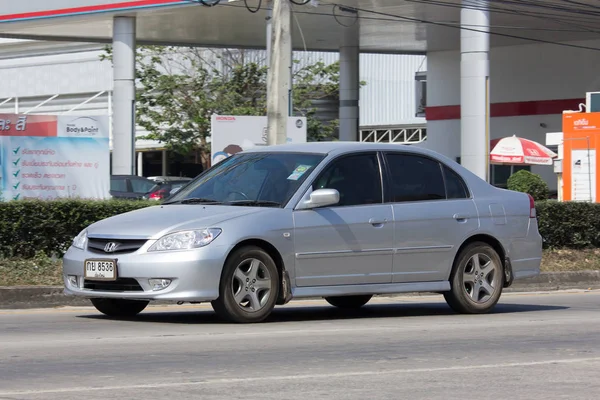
(455, 186)
(142, 185)
(118, 185)
(415, 178)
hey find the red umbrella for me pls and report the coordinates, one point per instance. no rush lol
(518, 151)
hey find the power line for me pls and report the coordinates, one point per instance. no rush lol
(382, 16)
(423, 21)
(253, 10)
(394, 19)
(569, 21)
(582, 4)
(548, 6)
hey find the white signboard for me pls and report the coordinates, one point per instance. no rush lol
(49, 157)
(583, 175)
(232, 134)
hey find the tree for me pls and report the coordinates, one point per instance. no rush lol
(179, 89)
(526, 182)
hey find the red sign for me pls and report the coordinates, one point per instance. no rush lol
(507, 159)
(28, 125)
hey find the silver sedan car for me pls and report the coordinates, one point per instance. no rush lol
(343, 221)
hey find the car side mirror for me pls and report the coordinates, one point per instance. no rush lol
(320, 198)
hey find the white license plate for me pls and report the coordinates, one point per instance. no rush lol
(100, 270)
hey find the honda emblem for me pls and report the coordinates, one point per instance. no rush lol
(111, 247)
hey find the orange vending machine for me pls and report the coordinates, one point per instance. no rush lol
(581, 141)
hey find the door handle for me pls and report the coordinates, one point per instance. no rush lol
(376, 221)
(460, 217)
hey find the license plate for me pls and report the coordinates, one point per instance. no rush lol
(100, 270)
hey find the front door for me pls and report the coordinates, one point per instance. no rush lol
(351, 242)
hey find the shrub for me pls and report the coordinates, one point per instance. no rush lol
(526, 182)
(569, 224)
(28, 227)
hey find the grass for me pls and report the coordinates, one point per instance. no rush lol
(570, 260)
(40, 270)
(45, 271)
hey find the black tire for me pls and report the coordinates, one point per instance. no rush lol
(119, 307)
(226, 305)
(463, 300)
(356, 301)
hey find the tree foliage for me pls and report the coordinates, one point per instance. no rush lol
(526, 182)
(179, 89)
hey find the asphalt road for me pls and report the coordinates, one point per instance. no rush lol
(535, 346)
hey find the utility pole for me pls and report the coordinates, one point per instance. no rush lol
(278, 79)
(269, 20)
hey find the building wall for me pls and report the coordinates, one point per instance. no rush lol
(388, 98)
(528, 73)
(79, 72)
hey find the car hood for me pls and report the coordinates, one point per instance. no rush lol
(156, 221)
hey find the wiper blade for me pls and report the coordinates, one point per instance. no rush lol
(258, 203)
(195, 200)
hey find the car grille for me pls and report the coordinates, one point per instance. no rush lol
(123, 245)
(120, 285)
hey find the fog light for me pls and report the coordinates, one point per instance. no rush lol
(159, 284)
(73, 281)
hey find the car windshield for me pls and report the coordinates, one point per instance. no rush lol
(251, 179)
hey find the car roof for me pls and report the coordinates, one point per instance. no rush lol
(341, 147)
(325, 147)
(169, 178)
(128, 176)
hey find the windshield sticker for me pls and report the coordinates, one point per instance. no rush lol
(298, 172)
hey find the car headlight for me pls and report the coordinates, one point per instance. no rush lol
(186, 240)
(80, 240)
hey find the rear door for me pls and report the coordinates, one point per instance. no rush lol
(433, 213)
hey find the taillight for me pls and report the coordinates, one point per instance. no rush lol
(532, 213)
(158, 195)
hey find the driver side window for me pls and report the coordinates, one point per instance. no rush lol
(356, 178)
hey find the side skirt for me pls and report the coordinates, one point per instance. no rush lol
(386, 288)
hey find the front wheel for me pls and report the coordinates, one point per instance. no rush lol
(119, 307)
(476, 280)
(249, 286)
(356, 301)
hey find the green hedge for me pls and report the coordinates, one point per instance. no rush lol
(48, 227)
(569, 224)
(526, 182)
(28, 227)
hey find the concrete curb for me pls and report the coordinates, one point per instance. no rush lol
(23, 297)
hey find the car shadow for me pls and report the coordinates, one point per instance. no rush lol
(327, 313)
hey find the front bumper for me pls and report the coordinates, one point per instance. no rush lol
(194, 275)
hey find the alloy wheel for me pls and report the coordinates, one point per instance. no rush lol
(251, 285)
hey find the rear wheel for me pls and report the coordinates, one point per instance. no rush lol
(119, 307)
(349, 301)
(249, 286)
(476, 280)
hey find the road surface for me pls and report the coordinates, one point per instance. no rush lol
(534, 346)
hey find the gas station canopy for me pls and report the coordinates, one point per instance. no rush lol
(386, 26)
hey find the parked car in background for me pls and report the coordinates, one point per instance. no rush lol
(130, 186)
(167, 179)
(343, 220)
(165, 189)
